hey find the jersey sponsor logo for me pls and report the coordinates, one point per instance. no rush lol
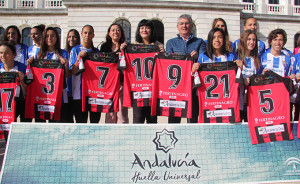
(172, 104)
(271, 129)
(144, 94)
(218, 113)
(218, 104)
(270, 119)
(46, 108)
(98, 101)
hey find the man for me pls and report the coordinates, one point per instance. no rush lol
(186, 43)
(251, 23)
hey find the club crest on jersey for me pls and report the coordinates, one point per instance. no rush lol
(257, 79)
(134, 48)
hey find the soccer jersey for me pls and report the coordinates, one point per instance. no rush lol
(76, 80)
(218, 93)
(9, 91)
(295, 64)
(249, 69)
(22, 53)
(260, 44)
(33, 51)
(203, 58)
(172, 87)
(269, 108)
(100, 83)
(137, 78)
(44, 94)
(279, 65)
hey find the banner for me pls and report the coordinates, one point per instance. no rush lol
(214, 153)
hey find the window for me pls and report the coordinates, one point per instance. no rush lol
(159, 31)
(59, 32)
(194, 30)
(273, 1)
(297, 2)
(1, 31)
(127, 29)
(248, 1)
(26, 37)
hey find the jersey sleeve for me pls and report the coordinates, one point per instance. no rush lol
(73, 57)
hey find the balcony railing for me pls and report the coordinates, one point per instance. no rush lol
(249, 7)
(3, 4)
(54, 4)
(26, 4)
(296, 10)
(275, 9)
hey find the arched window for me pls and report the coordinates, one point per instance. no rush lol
(296, 37)
(26, 37)
(194, 30)
(1, 31)
(126, 27)
(59, 32)
(159, 31)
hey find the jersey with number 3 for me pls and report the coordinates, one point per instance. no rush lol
(44, 93)
(269, 108)
(137, 79)
(172, 87)
(218, 94)
(100, 83)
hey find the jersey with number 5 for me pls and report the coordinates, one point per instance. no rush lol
(172, 86)
(100, 83)
(137, 78)
(269, 108)
(218, 94)
(44, 94)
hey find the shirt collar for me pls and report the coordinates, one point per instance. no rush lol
(190, 37)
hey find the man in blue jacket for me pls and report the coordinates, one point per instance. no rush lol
(186, 43)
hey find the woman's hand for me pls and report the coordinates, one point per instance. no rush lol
(247, 81)
(195, 67)
(29, 60)
(123, 46)
(239, 63)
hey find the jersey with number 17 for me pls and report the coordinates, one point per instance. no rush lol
(44, 93)
(172, 87)
(137, 79)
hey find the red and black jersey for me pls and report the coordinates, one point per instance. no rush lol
(137, 78)
(100, 82)
(269, 108)
(172, 86)
(218, 93)
(9, 92)
(44, 93)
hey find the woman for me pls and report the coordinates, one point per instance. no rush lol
(114, 38)
(50, 49)
(78, 52)
(248, 55)
(72, 40)
(220, 23)
(12, 33)
(36, 34)
(215, 49)
(7, 55)
(145, 35)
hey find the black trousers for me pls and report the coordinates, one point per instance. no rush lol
(142, 113)
(82, 117)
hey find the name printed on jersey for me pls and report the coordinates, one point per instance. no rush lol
(100, 82)
(218, 92)
(137, 79)
(269, 108)
(44, 93)
(172, 88)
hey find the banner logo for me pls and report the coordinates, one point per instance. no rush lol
(293, 166)
(165, 140)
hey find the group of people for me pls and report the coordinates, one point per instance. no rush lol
(249, 53)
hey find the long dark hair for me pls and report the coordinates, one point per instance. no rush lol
(11, 46)
(92, 44)
(40, 28)
(209, 47)
(4, 36)
(106, 46)
(144, 22)
(68, 47)
(242, 47)
(228, 44)
(44, 46)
